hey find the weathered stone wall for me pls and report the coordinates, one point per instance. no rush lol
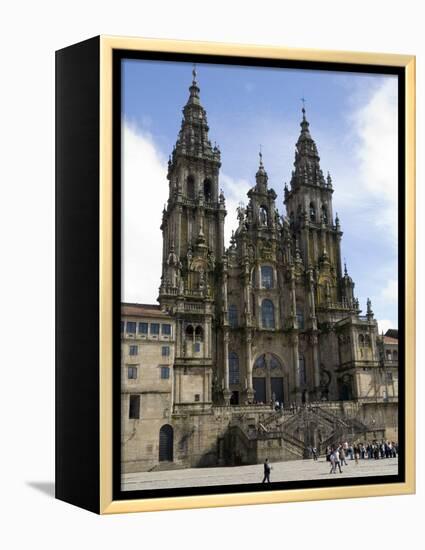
(216, 437)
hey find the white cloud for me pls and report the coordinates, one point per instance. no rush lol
(235, 191)
(145, 191)
(390, 293)
(375, 128)
(385, 324)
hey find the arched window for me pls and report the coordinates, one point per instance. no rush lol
(267, 314)
(260, 362)
(291, 219)
(190, 184)
(274, 362)
(233, 316)
(325, 215)
(207, 190)
(303, 375)
(166, 443)
(266, 276)
(312, 212)
(199, 334)
(299, 214)
(300, 318)
(395, 355)
(189, 331)
(263, 215)
(361, 340)
(367, 340)
(389, 355)
(233, 368)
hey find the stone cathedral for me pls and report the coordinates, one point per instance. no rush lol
(270, 351)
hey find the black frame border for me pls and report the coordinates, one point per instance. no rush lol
(118, 56)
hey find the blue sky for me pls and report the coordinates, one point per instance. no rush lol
(353, 119)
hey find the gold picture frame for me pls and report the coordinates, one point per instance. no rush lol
(106, 45)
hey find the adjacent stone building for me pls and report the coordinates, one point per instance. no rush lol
(147, 356)
(270, 322)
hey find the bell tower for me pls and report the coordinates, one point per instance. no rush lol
(310, 212)
(193, 247)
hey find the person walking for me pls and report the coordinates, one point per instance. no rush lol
(342, 456)
(337, 461)
(356, 453)
(267, 469)
(332, 461)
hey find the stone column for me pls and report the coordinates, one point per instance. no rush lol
(312, 302)
(207, 339)
(296, 368)
(275, 283)
(306, 252)
(226, 390)
(248, 366)
(316, 366)
(178, 231)
(293, 300)
(205, 387)
(220, 233)
(338, 256)
(176, 385)
(209, 375)
(180, 386)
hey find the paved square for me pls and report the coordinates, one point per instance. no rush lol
(295, 470)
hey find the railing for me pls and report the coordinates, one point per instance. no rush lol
(334, 305)
(281, 434)
(194, 202)
(169, 290)
(194, 307)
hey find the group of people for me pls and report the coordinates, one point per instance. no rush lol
(338, 454)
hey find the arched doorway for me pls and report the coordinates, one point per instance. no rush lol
(166, 443)
(268, 379)
(345, 388)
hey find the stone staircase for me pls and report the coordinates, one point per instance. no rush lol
(294, 432)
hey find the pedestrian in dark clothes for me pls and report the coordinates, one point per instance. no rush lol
(267, 469)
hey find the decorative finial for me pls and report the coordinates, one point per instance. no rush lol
(261, 157)
(303, 100)
(194, 74)
(369, 312)
(345, 268)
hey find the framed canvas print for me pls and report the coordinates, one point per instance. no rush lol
(235, 274)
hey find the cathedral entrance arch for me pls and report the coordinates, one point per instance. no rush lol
(166, 443)
(259, 385)
(268, 379)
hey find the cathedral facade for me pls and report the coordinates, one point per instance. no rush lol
(269, 336)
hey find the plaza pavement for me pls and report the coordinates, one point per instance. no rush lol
(294, 470)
